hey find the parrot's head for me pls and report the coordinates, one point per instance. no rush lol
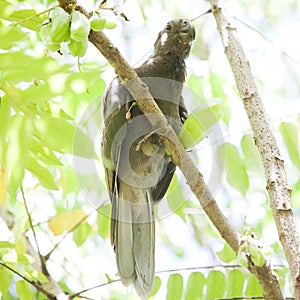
(175, 38)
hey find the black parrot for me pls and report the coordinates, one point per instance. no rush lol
(137, 167)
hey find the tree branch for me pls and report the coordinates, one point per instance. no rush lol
(277, 186)
(194, 178)
(41, 260)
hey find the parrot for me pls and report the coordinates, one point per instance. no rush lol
(138, 169)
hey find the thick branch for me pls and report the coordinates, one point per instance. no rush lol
(193, 177)
(277, 186)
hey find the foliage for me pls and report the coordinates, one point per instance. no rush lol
(42, 100)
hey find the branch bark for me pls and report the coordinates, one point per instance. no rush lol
(193, 177)
(277, 186)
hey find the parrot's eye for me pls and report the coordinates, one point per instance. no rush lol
(168, 27)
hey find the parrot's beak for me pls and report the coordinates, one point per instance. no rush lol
(187, 32)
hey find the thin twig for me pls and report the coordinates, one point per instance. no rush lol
(211, 267)
(33, 16)
(203, 14)
(284, 53)
(243, 298)
(17, 273)
(72, 296)
(44, 269)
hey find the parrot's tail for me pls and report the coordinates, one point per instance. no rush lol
(133, 237)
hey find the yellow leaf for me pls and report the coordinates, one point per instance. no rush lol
(65, 221)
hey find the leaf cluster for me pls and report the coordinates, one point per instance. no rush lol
(72, 28)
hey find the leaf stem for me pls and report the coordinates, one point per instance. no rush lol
(33, 16)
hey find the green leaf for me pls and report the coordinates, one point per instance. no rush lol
(6, 8)
(13, 257)
(60, 29)
(257, 254)
(20, 67)
(156, 286)
(282, 274)
(252, 157)
(25, 259)
(59, 134)
(36, 96)
(10, 36)
(24, 290)
(289, 132)
(80, 27)
(215, 279)
(43, 175)
(83, 145)
(68, 180)
(235, 283)
(227, 254)
(78, 48)
(295, 192)
(44, 154)
(237, 176)
(76, 101)
(36, 276)
(174, 287)
(198, 123)
(81, 233)
(10, 257)
(243, 257)
(5, 244)
(198, 85)
(32, 23)
(5, 278)
(194, 288)
(175, 198)
(110, 25)
(217, 83)
(6, 120)
(19, 139)
(253, 287)
(46, 37)
(103, 220)
(97, 24)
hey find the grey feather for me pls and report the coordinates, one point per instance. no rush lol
(137, 167)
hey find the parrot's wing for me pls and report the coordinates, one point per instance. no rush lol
(132, 221)
(113, 134)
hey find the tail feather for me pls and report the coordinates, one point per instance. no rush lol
(143, 252)
(134, 241)
(123, 245)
